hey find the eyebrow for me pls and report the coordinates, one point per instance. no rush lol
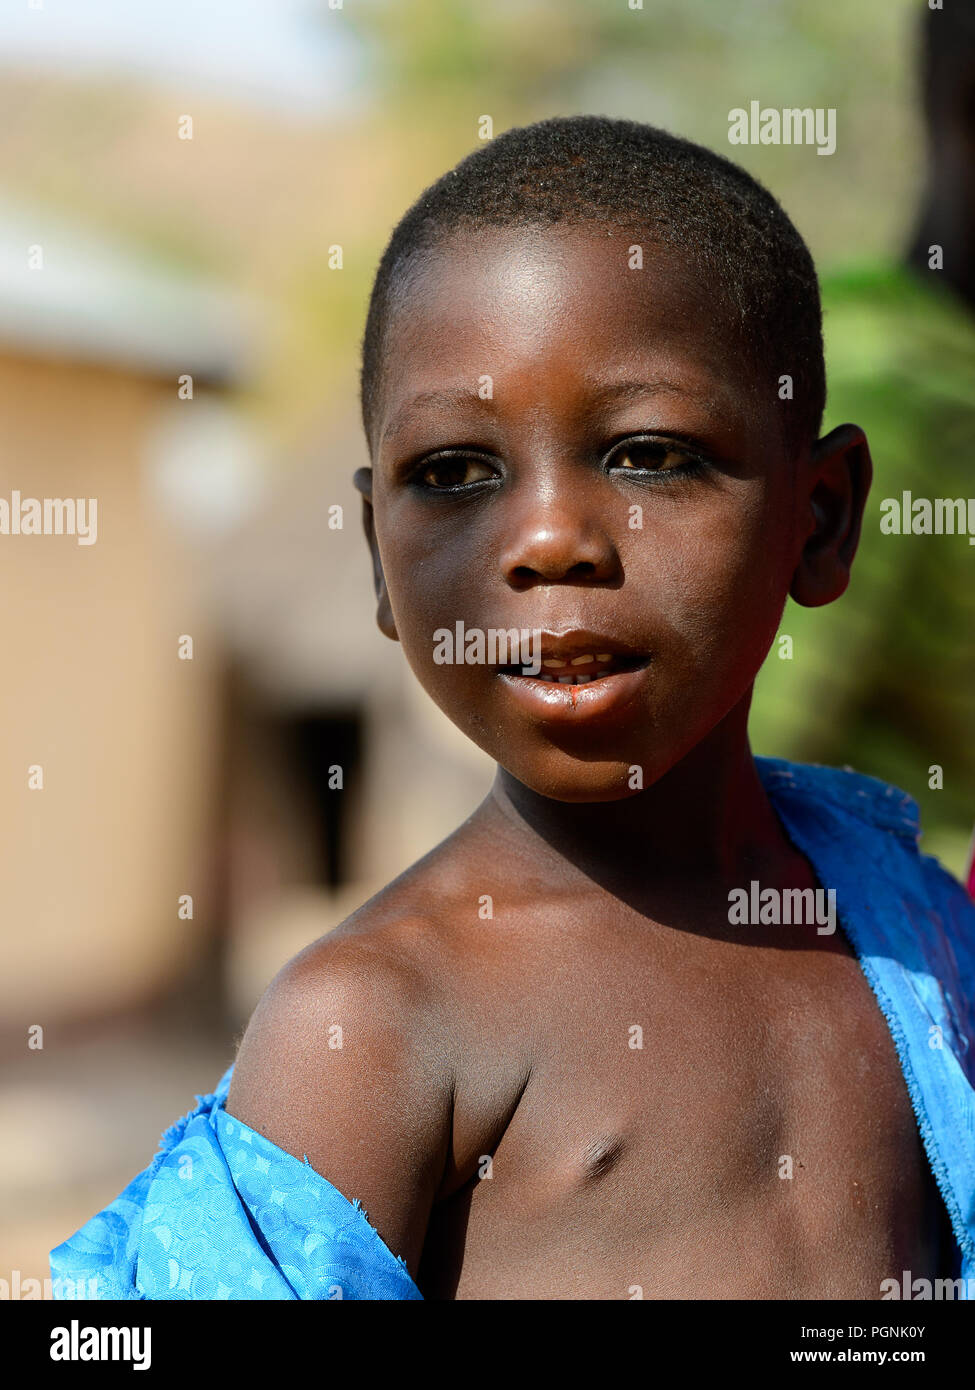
(445, 396)
(658, 386)
(600, 396)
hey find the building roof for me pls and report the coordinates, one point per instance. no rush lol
(101, 300)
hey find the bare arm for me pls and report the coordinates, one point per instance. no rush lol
(342, 1062)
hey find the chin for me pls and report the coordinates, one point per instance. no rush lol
(579, 781)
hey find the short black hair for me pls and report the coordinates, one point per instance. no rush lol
(584, 170)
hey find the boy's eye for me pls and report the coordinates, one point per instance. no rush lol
(654, 456)
(458, 470)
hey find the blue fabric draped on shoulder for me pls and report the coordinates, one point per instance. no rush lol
(222, 1213)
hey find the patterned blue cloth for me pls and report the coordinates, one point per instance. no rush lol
(222, 1213)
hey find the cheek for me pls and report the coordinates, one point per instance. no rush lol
(721, 578)
(430, 583)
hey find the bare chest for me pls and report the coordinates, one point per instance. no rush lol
(712, 1121)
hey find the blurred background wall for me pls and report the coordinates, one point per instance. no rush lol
(210, 187)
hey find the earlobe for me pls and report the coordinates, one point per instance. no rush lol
(384, 612)
(837, 480)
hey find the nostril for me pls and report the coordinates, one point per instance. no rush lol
(524, 574)
(585, 569)
(583, 572)
(543, 560)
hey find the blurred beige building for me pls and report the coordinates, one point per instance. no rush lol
(119, 730)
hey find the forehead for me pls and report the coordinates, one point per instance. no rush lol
(557, 314)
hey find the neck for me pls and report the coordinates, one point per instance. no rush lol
(706, 821)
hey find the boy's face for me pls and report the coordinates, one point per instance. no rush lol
(598, 462)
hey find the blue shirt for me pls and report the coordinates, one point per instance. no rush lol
(222, 1213)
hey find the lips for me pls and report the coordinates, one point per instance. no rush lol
(584, 676)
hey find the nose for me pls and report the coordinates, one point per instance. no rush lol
(560, 545)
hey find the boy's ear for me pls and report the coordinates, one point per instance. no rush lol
(384, 613)
(837, 480)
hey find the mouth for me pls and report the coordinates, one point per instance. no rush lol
(583, 676)
(577, 670)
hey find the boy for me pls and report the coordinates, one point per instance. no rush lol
(590, 1046)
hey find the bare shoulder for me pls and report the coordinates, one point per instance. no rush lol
(346, 1061)
(386, 1051)
(380, 984)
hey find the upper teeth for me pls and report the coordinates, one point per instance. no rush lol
(555, 663)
